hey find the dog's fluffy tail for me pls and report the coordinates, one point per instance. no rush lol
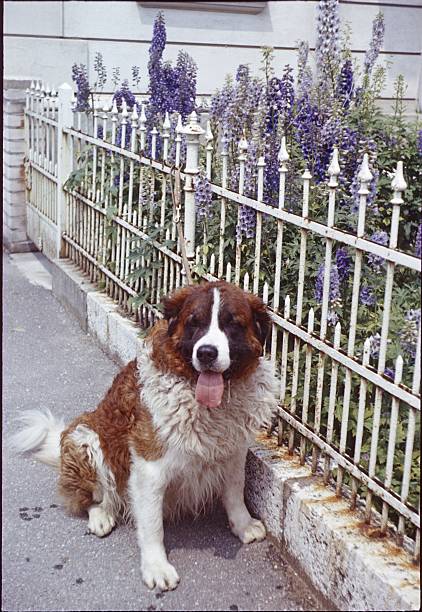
(40, 434)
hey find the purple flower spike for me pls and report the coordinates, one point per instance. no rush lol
(375, 261)
(378, 29)
(418, 244)
(334, 296)
(366, 296)
(203, 196)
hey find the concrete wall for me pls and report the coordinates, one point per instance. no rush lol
(14, 209)
(44, 39)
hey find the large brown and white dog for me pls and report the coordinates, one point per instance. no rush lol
(173, 430)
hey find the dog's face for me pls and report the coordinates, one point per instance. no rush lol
(217, 328)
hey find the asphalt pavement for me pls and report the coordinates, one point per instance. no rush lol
(48, 561)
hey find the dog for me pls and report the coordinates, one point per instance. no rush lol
(172, 432)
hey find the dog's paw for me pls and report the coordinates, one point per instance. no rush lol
(254, 531)
(161, 574)
(100, 522)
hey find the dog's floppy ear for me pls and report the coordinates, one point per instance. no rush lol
(261, 317)
(173, 304)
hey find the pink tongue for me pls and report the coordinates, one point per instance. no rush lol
(209, 389)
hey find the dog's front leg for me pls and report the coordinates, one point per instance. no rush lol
(246, 528)
(147, 485)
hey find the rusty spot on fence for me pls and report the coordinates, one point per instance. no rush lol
(370, 531)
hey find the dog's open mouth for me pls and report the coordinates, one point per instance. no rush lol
(209, 389)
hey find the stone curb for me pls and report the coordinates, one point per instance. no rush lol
(329, 543)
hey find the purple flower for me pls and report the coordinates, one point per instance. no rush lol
(83, 92)
(334, 294)
(203, 196)
(185, 76)
(374, 345)
(327, 35)
(247, 216)
(366, 296)
(332, 318)
(419, 142)
(389, 372)
(304, 73)
(375, 261)
(409, 334)
(418, 243)
(343, 261)
(124, 93)
(344, 90)
(378, 29)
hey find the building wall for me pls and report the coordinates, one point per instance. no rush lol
(44, 39)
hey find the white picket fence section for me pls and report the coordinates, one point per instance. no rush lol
(126, 197)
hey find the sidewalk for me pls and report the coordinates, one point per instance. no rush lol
(48, 561)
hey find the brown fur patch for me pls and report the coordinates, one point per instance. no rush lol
(78, 479)
(121, 422)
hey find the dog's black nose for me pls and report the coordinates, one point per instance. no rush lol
(207, 354)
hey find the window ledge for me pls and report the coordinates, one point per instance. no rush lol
(253, 8)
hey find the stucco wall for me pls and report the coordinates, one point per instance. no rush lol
(44, 39)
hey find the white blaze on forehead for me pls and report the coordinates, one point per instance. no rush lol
(214, 337)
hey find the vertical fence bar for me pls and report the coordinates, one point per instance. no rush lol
(224, 157)
(283, 371)
(365, 178)
(258, 234)
(193, 131)
(64, 158)
(299, 298)
(395, 403)
(243, 147)
(333, 171)
(209, 138)
(306, 384)
(398, 185)
(360, 420)
(410, 437)
(283, 157)
(332, 401)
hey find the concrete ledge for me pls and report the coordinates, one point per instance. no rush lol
(71, 289)
(23, 246)
(330, 544)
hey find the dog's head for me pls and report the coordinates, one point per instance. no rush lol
(219, 331)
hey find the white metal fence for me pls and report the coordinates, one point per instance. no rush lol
(95, 197)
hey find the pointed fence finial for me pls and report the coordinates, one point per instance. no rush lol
(166, 123)
(365, 175)
(209, 134)
(398, 183)
(283, 155)
(193, 118)
(193, 126)
(125, 112)
(243, 145)
(179, 126)
(334, 169)
(143, 116)
(134, 115)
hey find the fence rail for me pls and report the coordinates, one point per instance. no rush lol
(99, 193)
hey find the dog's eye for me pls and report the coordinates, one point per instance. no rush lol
(234, 324)
(193, 321)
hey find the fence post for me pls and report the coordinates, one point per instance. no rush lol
(64, 157)
(193, 132)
